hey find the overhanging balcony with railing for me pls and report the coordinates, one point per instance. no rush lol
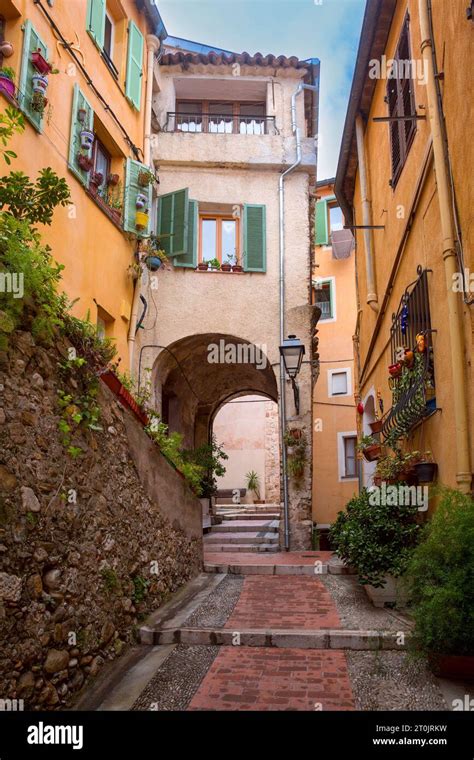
(220, 124)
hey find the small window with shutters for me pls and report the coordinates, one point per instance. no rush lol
(401, 103)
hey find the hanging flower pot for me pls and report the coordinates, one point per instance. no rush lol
(97, 178)
(87, 139)
(6, 49)
(40, 63)
(145, 178)
(426, 471)
(376, 427)
(40, 83)
(81, 115)
(38, 102)
(141, 220)
(153, 263)
(84, 162)
(373, 452)
(7, 85)
(141, 201)
(395, 370)
(113, 179)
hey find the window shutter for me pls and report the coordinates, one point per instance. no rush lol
(31, 42)
(133, 84)
(96, 21)
(321, 223)
(254, 238)
(173, 217)
(189, 259)
(339, 383)
(131, 190)
(79, 101)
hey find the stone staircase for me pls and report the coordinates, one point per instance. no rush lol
(245, 528)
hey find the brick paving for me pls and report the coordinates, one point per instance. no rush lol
(245, 678)
(285, 601)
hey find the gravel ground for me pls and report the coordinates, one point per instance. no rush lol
(355, 609)
(175, 683)
(392, 681)
(216, 610)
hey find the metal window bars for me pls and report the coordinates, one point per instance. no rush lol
(220, 124)
(413, 391)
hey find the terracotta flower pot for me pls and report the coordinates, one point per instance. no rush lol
(113, 179)
(237, 268)
(373, 452)
(226, 267)
(203, 266)
(453, 666)
(84, 162)
(376, 426)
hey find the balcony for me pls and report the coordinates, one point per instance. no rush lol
(225, 140)
(221, 124)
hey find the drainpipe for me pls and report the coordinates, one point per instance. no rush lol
(281, 192)
(153, 45)
(372, 298)
(455, 318)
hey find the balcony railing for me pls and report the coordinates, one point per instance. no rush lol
(220, 124)
(325, 307)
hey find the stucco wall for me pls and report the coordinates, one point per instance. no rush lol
(424, 245)
(96, 254)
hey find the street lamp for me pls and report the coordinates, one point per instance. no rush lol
(292, 352)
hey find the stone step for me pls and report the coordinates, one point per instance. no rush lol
(250, 516)
(246, 526)
(355, 640)
(240, 538)
(255, 567)
(254, 548)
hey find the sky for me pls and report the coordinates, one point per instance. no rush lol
(324, 29)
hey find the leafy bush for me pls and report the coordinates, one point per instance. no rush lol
(209, 458)
(377, 540)
(33, 201)
(440, 579)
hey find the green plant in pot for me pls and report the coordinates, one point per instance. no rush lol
(296, 443)
(425, 469)
(214, 264)
(377, 539)
(370, 447)
(440, 584)
(253, 483)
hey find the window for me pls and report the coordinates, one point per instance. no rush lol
(219, 117)
(218, 238)
(336, 221)
(347, 455)
(350, 460)
(108, 48)
(339, 382)
(101, 158)
(401, 102)
(324, 294)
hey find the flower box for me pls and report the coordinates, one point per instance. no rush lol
(372, 453)
(7, 86)
(125, 397)
(40, 63)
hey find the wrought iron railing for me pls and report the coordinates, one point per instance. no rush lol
(413, 388)
(325, 307)
(220, 124)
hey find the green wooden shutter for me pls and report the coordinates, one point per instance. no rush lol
(321, 223)
(173, 218)
(79, 101)
(254, 238)
(96, 21)
(131, 190)
(133, 84)
(189, 259)
(31, 42)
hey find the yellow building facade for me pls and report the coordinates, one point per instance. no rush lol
(101, 53)
(335, 465)
(403, 181)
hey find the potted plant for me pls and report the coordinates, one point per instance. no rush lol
(215, 265)
(40, 63)
(97, 178)
(81, 115)
(87, 139)
(113, 180)
(395, 370)
(237, 266)
(85, 162)
(296, 444)
(141, 220)
(376, 426)
(376, 539)
(203, 266)
(425, 469)
(7, 81)
(141, 201)
(370, 447)
(39, 102)
(227, 265)
(253, 484)
(144, 178)
(439, 582)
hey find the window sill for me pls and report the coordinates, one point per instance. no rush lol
(219, 271)
(104, 208)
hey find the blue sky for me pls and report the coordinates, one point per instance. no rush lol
(328, 30)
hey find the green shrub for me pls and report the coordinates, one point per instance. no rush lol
(377, 540)
(440, 579)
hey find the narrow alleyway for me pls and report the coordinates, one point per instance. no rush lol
(270, 631)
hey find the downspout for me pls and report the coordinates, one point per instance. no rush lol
(153, 45)
(281, 192)
(372, 298)
(455, 321)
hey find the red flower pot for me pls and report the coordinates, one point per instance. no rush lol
(395, 370)
(40, 63)
(376, 427)
(85, 162)
(372, 453)
(203, 266)
(7, 86)
(456, 667)
(237, 268)
(226, 267)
